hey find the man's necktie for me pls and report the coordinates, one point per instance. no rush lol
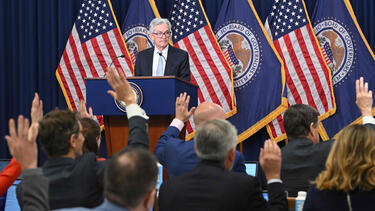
(159, 70)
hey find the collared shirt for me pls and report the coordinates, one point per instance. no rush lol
(155, 61)
(368, 120)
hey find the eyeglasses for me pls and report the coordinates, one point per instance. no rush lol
(160, 34)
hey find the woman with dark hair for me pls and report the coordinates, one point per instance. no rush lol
(348, 183)
(91, 132)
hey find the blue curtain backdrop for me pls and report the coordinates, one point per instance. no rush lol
(33, 34)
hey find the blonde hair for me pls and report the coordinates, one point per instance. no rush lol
(351, 162)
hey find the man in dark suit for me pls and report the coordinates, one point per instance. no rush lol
(211, 185)
(178, 156)
(76, 179)
(163, 59)
(303, 158)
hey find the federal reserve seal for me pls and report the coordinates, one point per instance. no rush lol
(337, 46)
(241, 49)
(138, 96)
(137, 39)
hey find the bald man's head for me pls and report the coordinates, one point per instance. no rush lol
(207, 111)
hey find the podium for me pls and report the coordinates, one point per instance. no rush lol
(157, 96)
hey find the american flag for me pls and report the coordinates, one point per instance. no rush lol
(307, 75)
(192, 32)
(95, 41)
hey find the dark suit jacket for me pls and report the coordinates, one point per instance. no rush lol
(178, 156)
(331, 200)
(177, 63)
(35, 191)
(79, 182)
(302, 161)
(210, 187)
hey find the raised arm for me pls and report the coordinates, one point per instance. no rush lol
(138, 128)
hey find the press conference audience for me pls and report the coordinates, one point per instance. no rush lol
(129, 181)
(76, 179)
(178, 156)
(8, 175)
(212, 186)
(304, 156)
(22, 146)
(348, 183)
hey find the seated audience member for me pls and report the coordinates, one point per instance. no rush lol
(90, 130)
(348, 183)
(22, 146)
(178, 156)
(76, 179)
(304, 156)
(212, 186)
(129, 181)
(8, 175)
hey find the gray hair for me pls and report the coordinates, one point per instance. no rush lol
(158, 21)
(214, 139)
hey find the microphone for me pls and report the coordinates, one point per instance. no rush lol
(114, 59)
(160, 54)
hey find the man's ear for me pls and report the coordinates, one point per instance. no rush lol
(232, 155)
(73, 140)
(149, 199)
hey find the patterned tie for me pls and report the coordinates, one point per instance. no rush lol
(159, 70)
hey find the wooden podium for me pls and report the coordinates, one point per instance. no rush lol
(157, 96)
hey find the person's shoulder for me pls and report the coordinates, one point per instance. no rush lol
(145, 51)
(177, 50)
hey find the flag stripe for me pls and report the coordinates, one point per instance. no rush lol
(279, 44)
(222, 72)
(199, 74)
(297, 70)
(75, 57)
(89, 61)
(124, 51)
(95, 59)
(111, 52)
(226, 75)
(307, 70)
(73, 78)
(315, 69)
(98, 52)
(323, 75)
(195, 77)
(317, 52)
(220, 90)
(81, 56)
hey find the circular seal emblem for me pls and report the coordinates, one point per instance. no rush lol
(138, 96)
(337, 47)
(136, 39)
(242, 51)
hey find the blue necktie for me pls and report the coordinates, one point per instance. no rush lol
(159, 70)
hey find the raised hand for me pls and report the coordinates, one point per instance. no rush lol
(270, 159)
(36, 109)
(122, 89)
(363, 97)
(182, 104)
(21, 142)
(83, 111)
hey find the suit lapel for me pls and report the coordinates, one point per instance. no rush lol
(150, 57)
(168, 66)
